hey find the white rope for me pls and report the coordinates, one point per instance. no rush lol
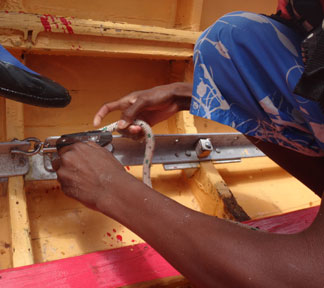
(149, 147)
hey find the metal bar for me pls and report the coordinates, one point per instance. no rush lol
(13, 164)
(173, 151)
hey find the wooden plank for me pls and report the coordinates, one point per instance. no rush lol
(15, 5)
(3, 135)
(288, 223)
(112, 268)
(19, 222)
(60, 44)
(138, 265)
(48, 34)
(213, 195)
(142, 12)
(22, 253)
(213, 9)
(35, 23)
(189, 13)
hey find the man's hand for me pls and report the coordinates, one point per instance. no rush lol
(90, 174)
(152, 105)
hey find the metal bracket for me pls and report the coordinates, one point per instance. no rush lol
(182, 151)
(13, 164)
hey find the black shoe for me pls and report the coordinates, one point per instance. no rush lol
(19, 83)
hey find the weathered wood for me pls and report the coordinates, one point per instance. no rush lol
(20, 230)
(34, 24)
(142, 12)
(136, 266)
(52, 34)
(213, 195)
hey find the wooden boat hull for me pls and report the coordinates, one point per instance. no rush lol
(144, 45)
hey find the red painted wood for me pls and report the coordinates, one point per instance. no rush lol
(112, 268)
(128, 265)
(289, 223)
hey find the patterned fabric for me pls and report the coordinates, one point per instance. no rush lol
(246, 67)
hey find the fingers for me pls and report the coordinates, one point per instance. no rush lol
(104, 110)
(56, 163)
(65, 149)
(94, 145)
(132, 112)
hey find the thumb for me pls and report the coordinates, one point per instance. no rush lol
(131, 113)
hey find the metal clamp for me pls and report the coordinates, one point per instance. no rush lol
(35, 150)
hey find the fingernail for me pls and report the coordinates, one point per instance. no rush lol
(96, 122)
(122, 124)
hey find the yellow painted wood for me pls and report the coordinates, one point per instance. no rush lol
(264, 189)
(189, 14)
(213, 194)
(15, 5)
(213, 9)
(20, 231)
(88, 46)
(159, 13)
(62, 227)
(260, 186)
(19, 221)
(5, 234)
(72, 28)
(14, 120)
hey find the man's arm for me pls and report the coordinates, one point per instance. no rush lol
(210, 252)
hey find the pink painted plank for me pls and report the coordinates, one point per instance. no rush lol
(289, 223)
(128, 265)
(112, 268)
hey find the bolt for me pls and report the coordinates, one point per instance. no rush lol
(208, 146)
(188, 153)
(217, 150)
(176, 141)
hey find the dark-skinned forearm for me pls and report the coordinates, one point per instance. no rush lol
(209, 251)
(183, 94)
